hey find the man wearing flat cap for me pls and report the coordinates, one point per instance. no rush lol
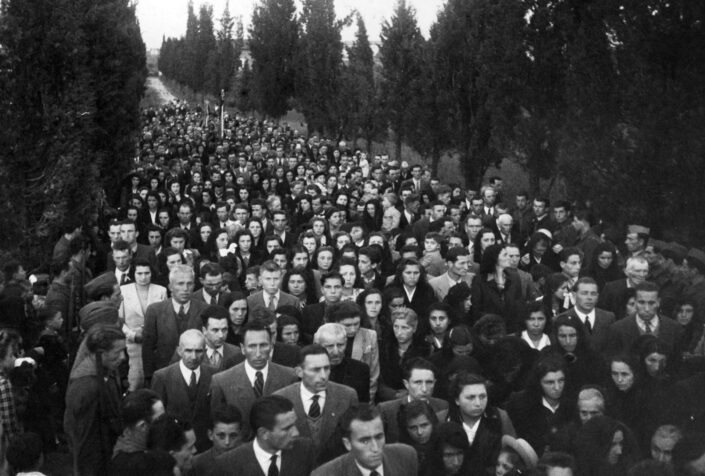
(694, 265)
(636, 240)
(666, 270)
(104, 287)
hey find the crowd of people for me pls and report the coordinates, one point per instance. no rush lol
(264, 303)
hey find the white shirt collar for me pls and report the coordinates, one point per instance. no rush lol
(547, 405)
(409, 295)
(653, 324)
(590, 316)
(307, 397)
(545, 341)
(366, 472)
(471, 431)
(268, 296)
(264, 458)
(210, 350)
(186, 372)
(252, 373)
(177, 306)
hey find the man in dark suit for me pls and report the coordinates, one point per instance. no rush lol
(282, 354)
(276, 448)
(219, 354)
(165, 321)
(419, 380)
(614, 295)
(364, 439)
(241, 385)
(314, 314)
(419, 184)
(343, 370)
(271, 296)
(211, 280)
(128, 234)
(318, 403)
(541, 219)
(409, 214)
(183, 386)
(279, 222)
(595, 321)
(122, 263)
(624, 333)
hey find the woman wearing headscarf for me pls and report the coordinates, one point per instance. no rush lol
(92, 417)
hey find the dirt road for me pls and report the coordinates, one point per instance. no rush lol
(156, 85)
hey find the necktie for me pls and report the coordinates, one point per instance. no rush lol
(215, 359)
(192, 384)
(182, 312)
(648, 330)
(315, 410)
(588, 326)
(214, 301)
(259, 384)
(272, 305)
(124, 279)
(273, 469)
(374, 473)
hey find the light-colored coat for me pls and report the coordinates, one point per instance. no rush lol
(132, 316)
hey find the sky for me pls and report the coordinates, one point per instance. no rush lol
(168, 17)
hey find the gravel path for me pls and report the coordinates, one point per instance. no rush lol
(157, 85)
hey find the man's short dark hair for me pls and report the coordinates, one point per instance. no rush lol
(265, 410)
(332, 275)
(166, 433)
(269, 266)
(229, 414)
(138, 405)
(646, 287)
(121, 245)
(585, 215)
(544, 200)
(418, 363)
(568, 252)
(213, 312)
(583, 280)
(373, 252)
(342, 310)
(312, 349)
(255, 325)
(453, 254)
(211, 269)
(362, 412)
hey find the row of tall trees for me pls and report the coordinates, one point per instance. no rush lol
(72, 74)
(606, 95)
(204, 59)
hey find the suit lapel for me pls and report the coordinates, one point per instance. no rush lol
(358, 346)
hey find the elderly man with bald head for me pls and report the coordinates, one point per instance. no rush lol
(184, 385)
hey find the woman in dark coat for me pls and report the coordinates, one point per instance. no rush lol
(92, 417)
(398, 349)
(583, 366)
(604, 266)
(469, 406)
(532, 419)
(605, 447)
(497, 289)
(411, 279)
